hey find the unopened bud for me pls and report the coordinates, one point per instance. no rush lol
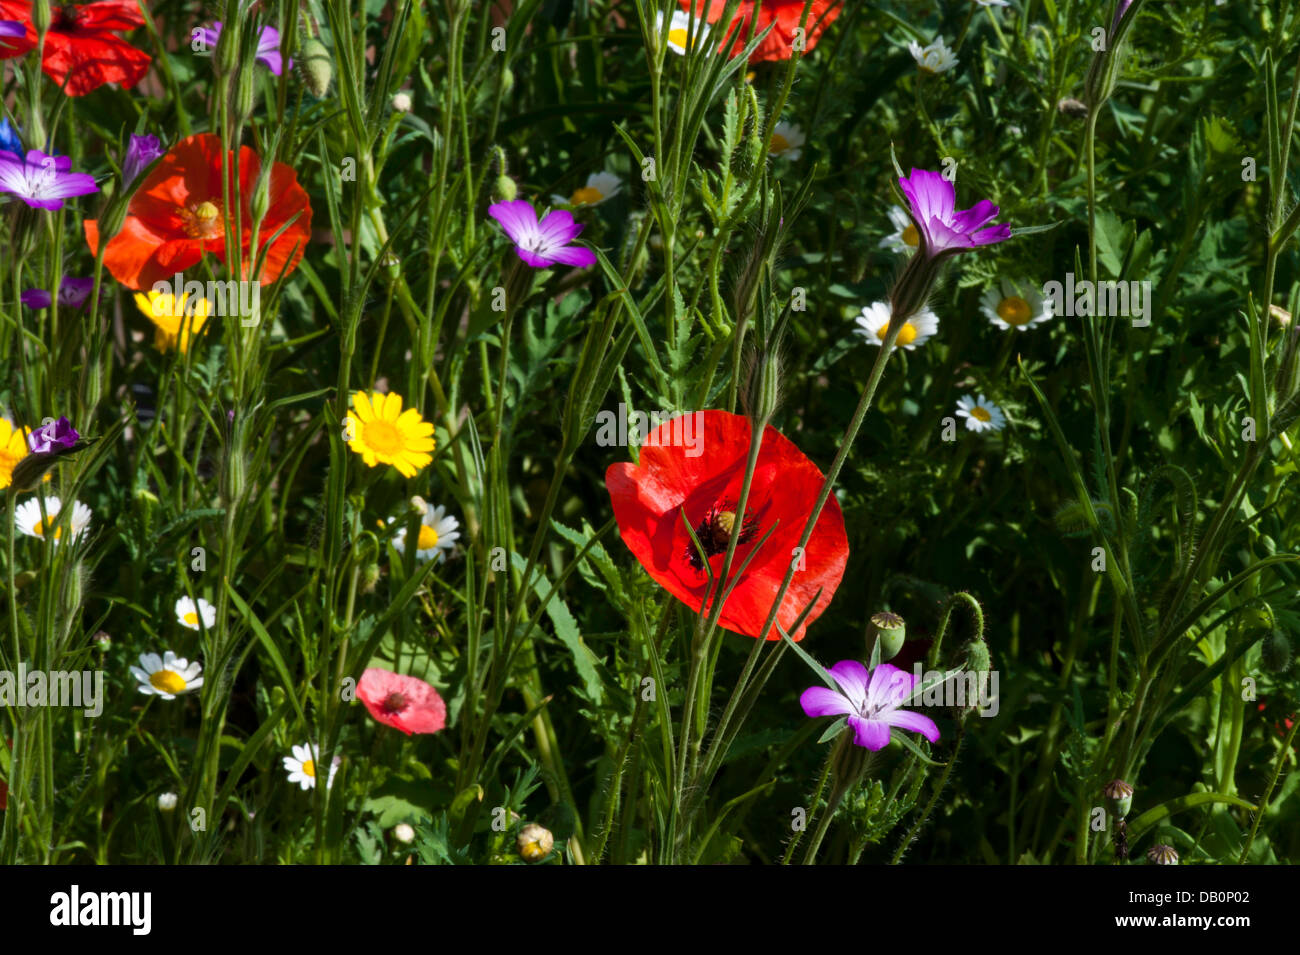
(534, 843)
(504, 189)
(1275, 652)
(315, 67)
(402, 102)
(1073, 108)
(403, 832)
(1281, 317)
(167, 801)
(41, 16)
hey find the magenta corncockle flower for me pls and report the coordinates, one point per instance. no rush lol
(12, 28)
(142, 151)
(871, 701)
(542, 244)
(72, 294)
(56, 436)
(43, 181)
(942, 228)
(268, 45)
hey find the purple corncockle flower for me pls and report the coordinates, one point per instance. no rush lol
(142, 151)
(56, 436)
(268, 45)
(871, 701)
(43, 181)
(542, 244)
(12, 28)
(943, 229)
(73, 293)
(9, 141)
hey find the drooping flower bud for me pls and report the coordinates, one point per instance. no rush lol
(316, 67)
(1120, 795)
(1275, 652)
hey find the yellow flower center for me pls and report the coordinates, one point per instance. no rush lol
(906, 334)
(911, 236)
(191, 619)
(586, 196)
(39, 530)
(309, 768)
(202, 221)
(1014, 310)
(679, 37)
(168, 681)
(981, 414)
(779, 144)
(382, 436)
(428, 538)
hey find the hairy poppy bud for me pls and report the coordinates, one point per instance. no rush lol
(504, 189)
(534, 843)
(316, 67)
(1275, 652)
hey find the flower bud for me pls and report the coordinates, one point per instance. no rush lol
(315, 67)
(507, 80)
(534, 843)
(1275, 652)
(1281, 317)
(890, 630)
(167, 801)
(1162, 855)
(1120, 795)
(1073, 108)
(401, 102)
(102, 640)
(41, 16)
(762, 392)
(504, 189)
(369, 577)
(403, 832)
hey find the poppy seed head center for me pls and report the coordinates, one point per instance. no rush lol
(395, 702)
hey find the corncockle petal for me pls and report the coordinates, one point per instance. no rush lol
(889, 685)
(994, 233)
(517, 217)
(873, 734)
(823, 701)
(574, 255)
(558, 227)
(916, 722)
(853, 679)
(977, 215)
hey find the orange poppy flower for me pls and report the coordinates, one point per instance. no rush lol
(178, 213)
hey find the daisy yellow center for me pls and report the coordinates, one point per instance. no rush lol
(586, 196)
(191, 619)
(1014, 310)
(308, 767)
(394, 702)
(981, 414)
(383, 436)
(679, 37)
(202, 221)
(39, 530)
(911, 236)
(428, 538)
(779, 143)
(168, 681)
(906, 334)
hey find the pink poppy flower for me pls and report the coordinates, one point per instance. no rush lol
(404, 702)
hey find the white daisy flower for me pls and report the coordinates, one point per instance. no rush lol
(981, 414)
(905, 238)
(600, 186)
(787, 141)
(681, 31)
(917, 330)
(438, 535)
(188, 614)
(935, 58)
(1016, 305)
(301, 766)
(168, 677)
(27, 518)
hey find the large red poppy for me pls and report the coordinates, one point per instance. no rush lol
(779, 44)
(700, 470)
(177, 214)
(81, 45)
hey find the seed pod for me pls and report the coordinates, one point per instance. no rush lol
(1162, 855)
(315, 67)
(1120, 795)
(890, 629)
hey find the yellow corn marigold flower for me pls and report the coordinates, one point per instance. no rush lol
(382, 433)
(174, 322)
(13, 448)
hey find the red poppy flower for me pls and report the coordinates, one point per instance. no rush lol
(407, 703)
(81, 45)
(4, 795)
(176, 215)
(779, 44)
(698, 467)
